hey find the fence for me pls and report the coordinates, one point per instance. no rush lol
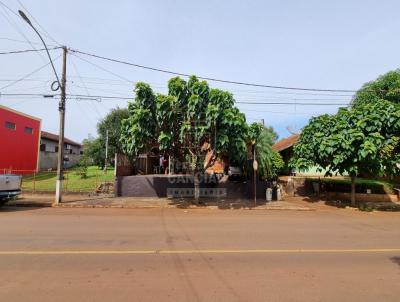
(94, 180)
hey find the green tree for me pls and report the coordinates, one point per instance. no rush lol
(95, 148)
(362, 139)
(386, 87)
(269, 161)
(191, 120)
(112, 123)
(94, 151)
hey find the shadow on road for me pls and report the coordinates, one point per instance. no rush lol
(363, 206)
(220, 204)
(396, 260)
(9, 208)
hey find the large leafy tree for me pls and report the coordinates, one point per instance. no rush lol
(386, 87)
(189, 121)
(365, 138)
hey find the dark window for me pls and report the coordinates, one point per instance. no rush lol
(43, 147)
(10, 125)
(28, 130)
(56, 149)
(81, 152)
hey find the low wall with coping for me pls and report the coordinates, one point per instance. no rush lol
(165, 186)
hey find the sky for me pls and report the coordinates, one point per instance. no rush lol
(310, 44)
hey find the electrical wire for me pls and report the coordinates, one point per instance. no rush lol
(204, 77)
(113, 97)
(102, 68)
(16, 27)
(20, 41)
(29, 74)
(44, 31)
(27, 50)
(85, 87)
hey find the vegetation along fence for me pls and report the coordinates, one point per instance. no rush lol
(76, 180)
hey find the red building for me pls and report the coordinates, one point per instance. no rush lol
(19, 141)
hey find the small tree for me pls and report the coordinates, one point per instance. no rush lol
(82, 168)
(269, 161)
(94, 151)
(362, 139)
(111, 123)
(94, 148)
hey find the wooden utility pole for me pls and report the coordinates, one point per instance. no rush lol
(61, 109)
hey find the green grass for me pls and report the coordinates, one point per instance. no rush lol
(46, 181)
(359, 181)
(362, 184)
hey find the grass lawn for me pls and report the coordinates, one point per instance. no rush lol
(46, 181)
(361, 183)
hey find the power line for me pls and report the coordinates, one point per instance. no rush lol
(27, 50)
(43, 95)
(29, 74)
(131, 82)
(113, 97)
(104, 69)
(206, 78)
(84, 86)
(45, 32)
(20, 41)
(293, 103)
(15, 26)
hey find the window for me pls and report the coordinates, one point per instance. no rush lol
(28, 130)
(11, 125)
(43, 147)
(56, 149)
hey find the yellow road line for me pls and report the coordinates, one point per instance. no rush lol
(206, 251)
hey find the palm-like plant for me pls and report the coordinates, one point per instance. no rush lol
(269, 161)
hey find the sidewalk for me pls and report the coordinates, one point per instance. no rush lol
(97, 201)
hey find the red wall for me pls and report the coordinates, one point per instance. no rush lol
(18, 150)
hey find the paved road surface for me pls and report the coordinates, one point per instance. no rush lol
(198, 255)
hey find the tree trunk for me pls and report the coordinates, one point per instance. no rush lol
(196, 180)
(196, 187)
(353, 190)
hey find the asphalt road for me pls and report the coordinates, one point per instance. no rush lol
(198, 255)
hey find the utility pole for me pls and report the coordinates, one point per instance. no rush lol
(105, 161)
(61, 106)
(255, 168)
(61, 109)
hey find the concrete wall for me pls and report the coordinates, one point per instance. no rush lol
(160, 185)
(50, 145)
(48, 160)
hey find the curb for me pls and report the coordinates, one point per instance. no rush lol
(91, 206)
